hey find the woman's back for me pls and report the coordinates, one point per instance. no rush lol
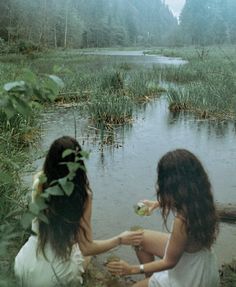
(35, 270)
(193, 269)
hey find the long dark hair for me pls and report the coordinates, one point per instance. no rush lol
(64, 212)
(184, 187)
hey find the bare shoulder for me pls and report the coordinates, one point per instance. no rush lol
(179, 226)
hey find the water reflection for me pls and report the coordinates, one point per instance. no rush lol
(124, 171)
(217, 128)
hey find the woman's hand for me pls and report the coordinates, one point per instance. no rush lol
(119, 268)
(131, 237)
(151, 204)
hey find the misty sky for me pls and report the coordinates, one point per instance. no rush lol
(176, 6)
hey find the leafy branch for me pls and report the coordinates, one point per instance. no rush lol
(60, 187)
(17, 97)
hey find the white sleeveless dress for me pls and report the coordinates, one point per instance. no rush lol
(197, 269)
(32, 269)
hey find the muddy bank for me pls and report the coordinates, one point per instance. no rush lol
(98, 276)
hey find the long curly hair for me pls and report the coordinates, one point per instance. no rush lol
(64, 212)
(183, 186)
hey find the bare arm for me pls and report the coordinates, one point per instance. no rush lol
(174, 250)
(89, 246)
(152, 204)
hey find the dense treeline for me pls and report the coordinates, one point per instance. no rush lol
(207, 22)
(101, 23)
(86, 23)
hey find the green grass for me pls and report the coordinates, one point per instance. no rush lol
(109, 94)
(109, 108)
(14, 158)
(206, 84)
(91, 79)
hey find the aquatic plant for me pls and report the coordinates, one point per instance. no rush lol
(109, 108)
(142, 85)
(208, 87)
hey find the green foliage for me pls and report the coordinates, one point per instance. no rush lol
(16, 97)
(141, 85)
(112, 81)
(60, 187)
(110, 108)
(4, 48)
(7, 235)
(208, 86)
(228, 275)
(79, 23)
(17, 125)
(27, 47)
(205, 22)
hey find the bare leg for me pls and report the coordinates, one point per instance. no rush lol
(153, 244)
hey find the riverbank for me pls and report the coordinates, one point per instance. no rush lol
(201, 85)
(96, 276)
(206, 84)
(88, 81)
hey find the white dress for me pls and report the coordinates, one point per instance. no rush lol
(197, 269)
(33, 270)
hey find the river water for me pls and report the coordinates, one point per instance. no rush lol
(124, 172)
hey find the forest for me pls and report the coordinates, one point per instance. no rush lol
(91, 23)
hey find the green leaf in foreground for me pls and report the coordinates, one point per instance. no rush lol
(27, 219)
(18, 85)
(54, 190)
(57, 80)
(67, 152)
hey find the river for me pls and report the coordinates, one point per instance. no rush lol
(124, 172)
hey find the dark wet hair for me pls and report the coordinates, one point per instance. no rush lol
(64, 212)
(184, 187)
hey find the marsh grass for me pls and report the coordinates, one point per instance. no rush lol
(208, 79)
(228, 275)
(109, 108)
(112, 90)
(18, 129)
(13, 159)
(206, 85)
(143, 84)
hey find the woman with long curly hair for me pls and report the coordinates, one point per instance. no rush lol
(186, 256)
(56, 254)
